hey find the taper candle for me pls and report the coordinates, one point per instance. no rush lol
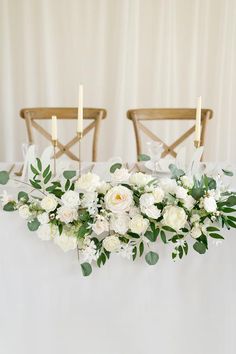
(54, 128)
(80, 111)
(198, 120)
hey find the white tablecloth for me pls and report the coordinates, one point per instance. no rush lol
(47, 306)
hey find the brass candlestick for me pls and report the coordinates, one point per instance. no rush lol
(197, 143)
(80, 136)
(54, 144)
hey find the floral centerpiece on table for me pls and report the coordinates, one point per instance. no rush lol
(128, 215)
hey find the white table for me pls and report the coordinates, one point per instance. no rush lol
(48, 307)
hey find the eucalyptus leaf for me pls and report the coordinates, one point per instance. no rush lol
(199, 247)
(227, 173)
(151, 236)
(10, 206)
(152, 258)
(4, 177)
(143, 157)
(33, 225)
(115, 166)
(86, 269)
(176, 172)
(23, 196)
(69, 174)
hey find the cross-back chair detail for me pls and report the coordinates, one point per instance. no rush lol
(32, 115)
(146, 114)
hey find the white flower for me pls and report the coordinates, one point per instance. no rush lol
(133, 211)
(168, 185)
(101, 225)
(174, 217)
(152, 212)
(89, 199)
(24, 211)
(66, 214)
(180, 242)
(120, 223)
(189, 202)
(71, 199)
(158, 194)
(89, 253)
(209, 204)
(187, 181)
(5, 198)
(196, 231)
(47, 232)
(138, 224)
(180, 192)
(43, 218)
(118, 199)
(49, 203)
(88, 182)
(65, 242)
(111, 243)
(120, 175)
(194, 218)
(126, 251)
(139, 179)
(103, 187)
(146, 200)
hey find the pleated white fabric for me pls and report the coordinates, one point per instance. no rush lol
(127, 53)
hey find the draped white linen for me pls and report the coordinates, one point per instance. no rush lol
(127, 53)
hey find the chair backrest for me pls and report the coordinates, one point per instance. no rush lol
(32, 115)
(151, 114)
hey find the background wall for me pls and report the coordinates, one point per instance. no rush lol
(127, 53)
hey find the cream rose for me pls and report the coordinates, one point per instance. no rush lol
(118, 199)
(189, 202)
(152, 212)
(101, 225)
(180, 192)
(66, 243)
(49, 203)
(66, 214)
(71, 199)
(209, 204)
(138, 224)
(103, 187)
(174, 217)
(158, 194)
(111, 243)
(120, 175)
(146, 200)
(120, 223)
(24, 211)
(88, 182)
(47, 232)
(140, 179)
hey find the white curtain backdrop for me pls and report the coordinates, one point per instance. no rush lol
(128, 54)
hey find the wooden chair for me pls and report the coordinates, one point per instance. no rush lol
(32, 115)
(139, 115)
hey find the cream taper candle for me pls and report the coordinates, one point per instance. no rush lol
(80, 111)
(198, 120)
(54, 128)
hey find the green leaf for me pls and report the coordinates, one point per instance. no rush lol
(168, 228)
(47, 178)
(211, 183)
(46, 171)
(151, 258)
(115, 167)
(228, 210)
(231, 223)
(176, 172)
(231, 201)
(33, 225)
(10, 206)
(4, 177)
(197, 193)
(227, 173)
(39, 164)
(86, 269)
(23, 196)
(151, 236)
(217, 236)
(69, 174)
(199, 247)
(35, 184)
(143, 157)
(212, 228)
(185, 247)
(33, 169)
(141, 249)
(134, 253)
(163, 236)
(132, 234)
(82, 231)
(84, 215)
(67, 185)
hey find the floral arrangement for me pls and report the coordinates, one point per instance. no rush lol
(128, 215)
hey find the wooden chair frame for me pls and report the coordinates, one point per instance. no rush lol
(31, 115)
(138, 115)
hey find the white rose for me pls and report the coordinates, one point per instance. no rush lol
(111, 243)
(47, 232)
(146, 200)
(66, 243)
(24, 211)
(209, 204)
(180, 192)
(103, 187)
(43, 218)
(120, 223)
(118, 199)
(187, 181)
(194, 218)
(88, 182)
(140, 179)
(120, 175)
(196, 231)
(152, 212)
(71, 199)
(66, 214)
(189, 202)
(138, 224)
(89, 199)
(158, 194)
(168, 185)
(49, 203)
(174, 217)
(101, 225)
(133, 211)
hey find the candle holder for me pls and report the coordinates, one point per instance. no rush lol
(54, 144)
(80, 136)
(197, 143)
